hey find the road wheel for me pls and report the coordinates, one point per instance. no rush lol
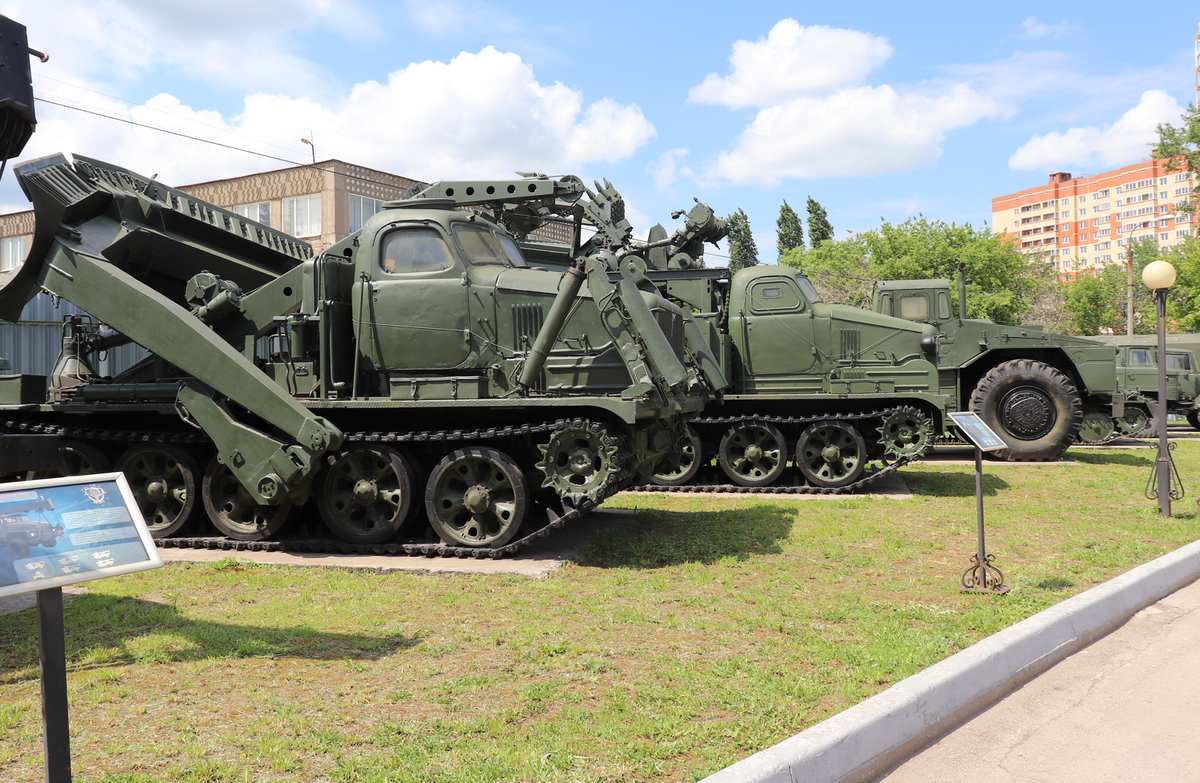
(165, 481)
(233, 510)
(1033, 407)
(831, 454)
(75, 458)
(365, 493)
(691, 457)
(753, 454)
(477, 497)
(1134, 421)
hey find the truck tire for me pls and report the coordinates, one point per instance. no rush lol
(1033, 407)
(1193, 418)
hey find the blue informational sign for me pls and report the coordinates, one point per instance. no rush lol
(56, 532)
(980, 434)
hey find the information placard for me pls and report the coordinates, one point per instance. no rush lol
(979, 433)
(56, 532)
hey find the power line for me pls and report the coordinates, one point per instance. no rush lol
(128, 102)
(128, 121)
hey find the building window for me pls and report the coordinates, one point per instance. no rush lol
(1185, 232)
(1102, 193)
(12, 252)
(1165, 236)
(259, 211)
(302, 215)
(1162, 181)
(361, 208)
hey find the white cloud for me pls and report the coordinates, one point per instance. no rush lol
(480, 115)
(666, 170)
(865, 131)
(793, 61)
(818, 119)
(1032, 28)
(1125, 141)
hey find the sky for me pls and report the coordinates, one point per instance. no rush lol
(879, 111)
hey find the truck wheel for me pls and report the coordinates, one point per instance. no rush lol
(477, 497)
(75, 458)
(753, 454)
(1193, 418)
(19, 548)
(690, 460)
(232, 509)
(166, 484)
(1033, 407)
(365, 493)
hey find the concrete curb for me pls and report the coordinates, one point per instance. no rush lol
(863, 741)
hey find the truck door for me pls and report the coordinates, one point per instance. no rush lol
(779, 330)
(416, 311)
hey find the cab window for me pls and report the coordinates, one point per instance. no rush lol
(943, 305)
(806, 288)
(1178, 361)
(415, 250)
(772, 296)
(885, 304)
(511, 250)
(1139, 357)
(479, 245)
(914, 308)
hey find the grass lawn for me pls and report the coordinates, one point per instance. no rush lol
(706, 630)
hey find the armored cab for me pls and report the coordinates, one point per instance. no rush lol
(1137, 381)
(418, 369)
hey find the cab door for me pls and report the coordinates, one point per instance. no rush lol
(414, 313)
(779, 330)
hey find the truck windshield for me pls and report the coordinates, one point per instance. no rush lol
(485, 247)
(1178, 361)
(809, 292)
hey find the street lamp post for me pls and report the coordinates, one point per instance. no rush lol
(1159, 276)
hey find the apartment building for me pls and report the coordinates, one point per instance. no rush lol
(1080, 223)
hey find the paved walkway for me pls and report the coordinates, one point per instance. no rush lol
(1127, 708)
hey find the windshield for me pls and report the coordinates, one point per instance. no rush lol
(482, 246)
(809, 292)
(1178, 361)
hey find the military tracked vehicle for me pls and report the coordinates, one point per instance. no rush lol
(416, 369)
(825, 387)
(1038, 390)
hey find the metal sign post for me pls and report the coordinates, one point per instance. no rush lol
(982, 577)
(59, 532)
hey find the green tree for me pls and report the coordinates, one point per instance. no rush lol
(1002, 284)
(1180, 147)
(789, 230)
(1097, 300)
(819, 229)
(742, 250)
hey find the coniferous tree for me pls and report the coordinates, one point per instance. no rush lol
(742, 250)
(819, 228)
(789, 230)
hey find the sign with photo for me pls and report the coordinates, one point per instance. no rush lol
(56, 532)
(977, 432)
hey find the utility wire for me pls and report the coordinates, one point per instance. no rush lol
(128, 102)
(127, 121)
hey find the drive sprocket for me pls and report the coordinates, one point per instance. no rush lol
(579, 460)
(905, 433)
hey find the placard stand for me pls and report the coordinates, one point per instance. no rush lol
(52, 654)
(982, 577)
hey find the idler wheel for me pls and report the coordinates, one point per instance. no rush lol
(691, 458)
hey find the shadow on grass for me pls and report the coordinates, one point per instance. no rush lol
(655, 539)
(1136, 460)
(954, 485)
(104, 630)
